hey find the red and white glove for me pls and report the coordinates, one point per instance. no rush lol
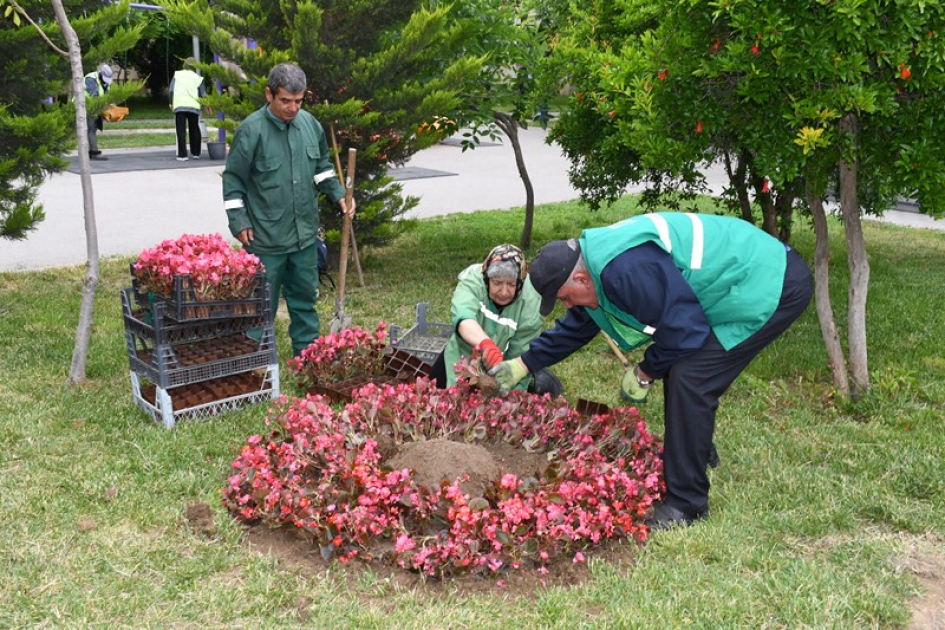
(489, 353)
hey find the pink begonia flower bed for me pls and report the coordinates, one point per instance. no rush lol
(216, 270)
(322, 471)
(341, 356)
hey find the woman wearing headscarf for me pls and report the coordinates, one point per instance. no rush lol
(495, 314)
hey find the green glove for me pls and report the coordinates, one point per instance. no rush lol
(631, 389)
(508, 374)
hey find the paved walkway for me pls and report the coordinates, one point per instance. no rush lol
(163, 198)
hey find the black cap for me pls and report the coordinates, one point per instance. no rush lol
(550, 270)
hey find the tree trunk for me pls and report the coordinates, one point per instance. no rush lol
(510, 127)
(769, 216)
(737, 179)
(828, 325)
(859, 268)
(80, 352)
(784, 208)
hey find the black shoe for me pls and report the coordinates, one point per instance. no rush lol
(96, 152)
(713, 458)
(100, 158)
(666, 517)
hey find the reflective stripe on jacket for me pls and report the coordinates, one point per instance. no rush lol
(95, 88)
(273, 173)
(735, 270)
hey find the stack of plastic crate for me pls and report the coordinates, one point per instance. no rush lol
(194, 359)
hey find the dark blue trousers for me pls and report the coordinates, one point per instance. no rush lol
(693, 386)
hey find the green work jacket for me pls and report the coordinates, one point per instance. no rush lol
(512, 329)
(273, 174)
(735, 270)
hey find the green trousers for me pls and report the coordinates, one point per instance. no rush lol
(294, 276)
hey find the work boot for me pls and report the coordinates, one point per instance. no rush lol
(713, 458)
(666, 517)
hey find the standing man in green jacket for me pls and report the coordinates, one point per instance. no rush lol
(277, 164)
(710, 293)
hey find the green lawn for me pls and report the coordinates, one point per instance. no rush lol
(143, 108)
(135, 140)
(817, 506)
(149, 123)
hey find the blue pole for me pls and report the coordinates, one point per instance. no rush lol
(221, 131)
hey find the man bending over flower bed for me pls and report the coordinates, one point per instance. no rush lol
(710, 293)
(278, 160)
(495, 315)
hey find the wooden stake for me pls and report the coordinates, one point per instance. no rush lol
(616, 349)
(354, 243)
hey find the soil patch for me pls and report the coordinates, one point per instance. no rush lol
(435, 461)
(295, 553)
(928, 611)
(200, 519)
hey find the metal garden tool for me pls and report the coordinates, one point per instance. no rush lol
(342, 321)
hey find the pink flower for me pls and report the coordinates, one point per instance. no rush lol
(404, 543)
(214, 269)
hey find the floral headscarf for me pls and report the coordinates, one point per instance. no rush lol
(506, 253)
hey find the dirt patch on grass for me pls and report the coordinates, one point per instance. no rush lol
(293, 552)
(928, 611)
(200, 519)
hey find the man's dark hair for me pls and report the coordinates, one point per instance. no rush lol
(287, 76)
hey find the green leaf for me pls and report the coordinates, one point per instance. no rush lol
(478, 504)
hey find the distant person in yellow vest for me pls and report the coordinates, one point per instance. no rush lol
(96, 84)
(186, 88)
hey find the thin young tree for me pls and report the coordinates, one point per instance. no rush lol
(83, 333)
(507, 95)
(120, 36)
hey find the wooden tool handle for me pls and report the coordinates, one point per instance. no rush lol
(346, 225)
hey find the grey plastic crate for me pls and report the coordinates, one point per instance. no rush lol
(173, 365)
(154, 327)
(183, 305)
(426, 340)
(168, 411)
